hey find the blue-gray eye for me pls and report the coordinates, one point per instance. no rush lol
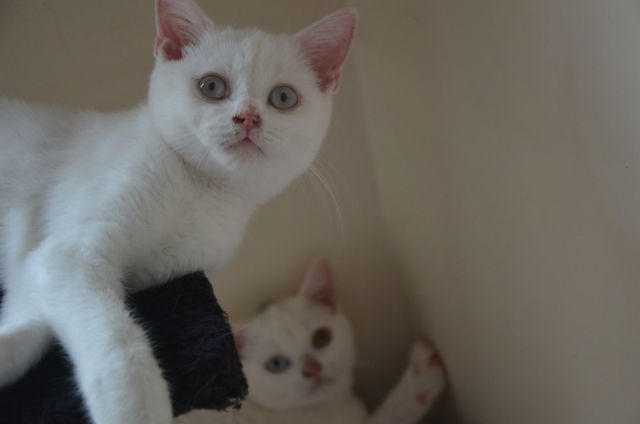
(277, 364)
(283, 97)
(213, 87)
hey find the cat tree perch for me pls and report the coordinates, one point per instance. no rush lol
(192, 342)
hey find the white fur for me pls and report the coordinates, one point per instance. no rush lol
(286, 328)
(89, 200)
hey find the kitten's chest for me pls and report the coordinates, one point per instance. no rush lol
(196, 235)
(348, 411)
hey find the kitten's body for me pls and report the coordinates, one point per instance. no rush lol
(314, 340)
(90, 200)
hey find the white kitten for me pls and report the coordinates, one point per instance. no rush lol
(89, 200)
(299, 355)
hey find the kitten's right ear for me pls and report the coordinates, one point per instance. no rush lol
(317, 286)
(179, 23)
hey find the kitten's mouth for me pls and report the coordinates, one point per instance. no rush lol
(245, 143)
(320, 383)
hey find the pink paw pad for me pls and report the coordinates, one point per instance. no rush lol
(436, 360)
(423, 357)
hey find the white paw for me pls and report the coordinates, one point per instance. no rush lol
(426, 375)
(127, 388)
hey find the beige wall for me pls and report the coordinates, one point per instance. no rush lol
(485, 157)
(506, 147)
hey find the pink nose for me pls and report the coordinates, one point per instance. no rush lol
(248, 119)
(312, 368)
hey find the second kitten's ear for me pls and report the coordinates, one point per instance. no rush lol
(239, 338)
(317, 286)
(179, 23)
(325, 45)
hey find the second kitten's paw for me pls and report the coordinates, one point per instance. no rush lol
(427, 373)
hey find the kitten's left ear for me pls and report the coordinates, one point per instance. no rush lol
(325, 45)
(239, 338)
(179, 23)
(317, 286)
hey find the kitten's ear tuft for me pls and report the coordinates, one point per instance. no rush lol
(179, 23)
(318, 287)
(325, 45)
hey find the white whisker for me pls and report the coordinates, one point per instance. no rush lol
(337, 208)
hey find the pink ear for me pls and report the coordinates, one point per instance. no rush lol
(240, 339)
(317, 286)
(325, 45)
(179, 23)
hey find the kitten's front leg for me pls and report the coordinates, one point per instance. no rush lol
(419, 386)
(79, 292)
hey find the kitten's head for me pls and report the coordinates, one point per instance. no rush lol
(299, 351)
(249, 105)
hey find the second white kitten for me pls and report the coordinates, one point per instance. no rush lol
(299, 357)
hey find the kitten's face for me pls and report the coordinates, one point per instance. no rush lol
(245, 104)
(298, 352)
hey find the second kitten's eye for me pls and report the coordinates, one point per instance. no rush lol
(213, 87)
(277, 364)
(321, 338)
(283, 97)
